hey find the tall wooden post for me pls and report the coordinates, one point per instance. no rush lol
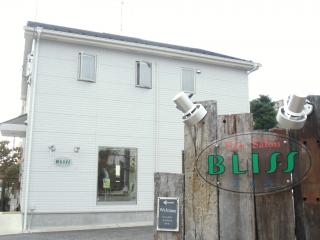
(307, 194)
(201, 199)
(211, 213)
(236, 210)
(275, 212)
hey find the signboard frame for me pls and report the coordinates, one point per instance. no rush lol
(177, 214)
(265, 148)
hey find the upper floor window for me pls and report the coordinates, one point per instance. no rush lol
(87, 67)
(143, 74)
(188, 83)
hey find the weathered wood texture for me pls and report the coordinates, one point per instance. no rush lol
(217, 214)
(307, 194)
(236, 210)
(274, 212)
(169, 185)
(201, 199)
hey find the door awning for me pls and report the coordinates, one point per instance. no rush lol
(15, 127)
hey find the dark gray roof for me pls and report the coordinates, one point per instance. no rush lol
(127, 39)
(17, 120)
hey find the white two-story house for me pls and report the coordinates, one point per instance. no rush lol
(100, 121)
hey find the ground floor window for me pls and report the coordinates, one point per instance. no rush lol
(117, 174)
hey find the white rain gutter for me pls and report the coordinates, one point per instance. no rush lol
(145, 48)
(254, 68)
(35, 49)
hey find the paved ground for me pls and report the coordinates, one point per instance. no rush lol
(137, 233)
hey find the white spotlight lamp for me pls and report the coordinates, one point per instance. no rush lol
(192, 113)
(293, 114)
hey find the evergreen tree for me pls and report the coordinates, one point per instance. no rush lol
(9, 160)
(264, 114)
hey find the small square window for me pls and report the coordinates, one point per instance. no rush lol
(188, 80)
(143, 74)
(87, 67)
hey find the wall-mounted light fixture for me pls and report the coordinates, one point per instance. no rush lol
(76, 149)
(52, 148)
(293, 114)
(192, 113)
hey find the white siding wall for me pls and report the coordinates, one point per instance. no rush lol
(113, 112)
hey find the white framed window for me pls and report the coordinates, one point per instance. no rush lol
(188, 80)
(143, 74)
(87, 67)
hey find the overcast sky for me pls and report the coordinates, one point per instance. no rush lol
(282, 35)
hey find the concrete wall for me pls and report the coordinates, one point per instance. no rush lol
(79, 221)
(10, 223)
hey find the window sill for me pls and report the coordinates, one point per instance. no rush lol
(107, 203)
(145, 87)
(189, 92)
(86, 80)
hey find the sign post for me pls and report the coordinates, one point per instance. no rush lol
(168, 206)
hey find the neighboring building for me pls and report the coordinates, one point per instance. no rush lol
(101, 121)
(278, 104)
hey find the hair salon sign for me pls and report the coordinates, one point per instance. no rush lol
(62, 162)
(256, 162)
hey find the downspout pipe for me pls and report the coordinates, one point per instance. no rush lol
(33, 85)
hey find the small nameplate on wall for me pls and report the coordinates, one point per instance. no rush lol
(62, 162)
(168, 214)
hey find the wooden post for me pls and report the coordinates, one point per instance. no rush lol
(169, 185)
(275, 212)
(307, 194)
(211, 213)
(201, 199)
(236, 210)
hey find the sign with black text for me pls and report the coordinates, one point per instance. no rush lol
(168, 214)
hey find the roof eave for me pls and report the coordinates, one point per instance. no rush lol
(15, 127)
(138, 47)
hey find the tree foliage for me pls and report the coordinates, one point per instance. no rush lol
(9, 160)
(264, 114)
